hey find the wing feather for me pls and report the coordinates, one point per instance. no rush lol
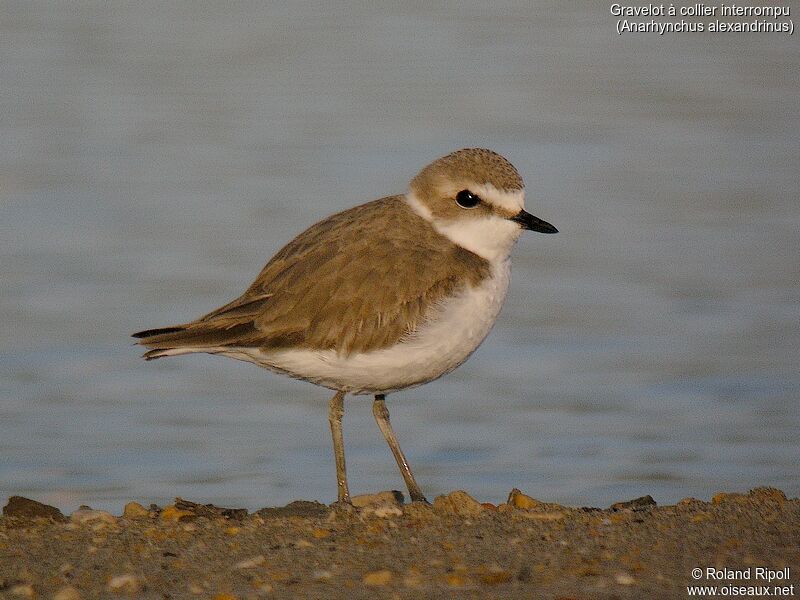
(356, 281)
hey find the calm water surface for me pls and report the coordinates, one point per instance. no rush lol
(154, 155)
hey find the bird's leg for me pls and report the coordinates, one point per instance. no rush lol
(382, 417)
(335, 414)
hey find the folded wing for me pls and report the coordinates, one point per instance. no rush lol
(357, 281)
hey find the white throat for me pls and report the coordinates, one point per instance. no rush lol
(491, 238)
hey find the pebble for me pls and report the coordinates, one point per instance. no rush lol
(551, 515)
(689, 500)
(768, 494)
(23, 590)
(459, 503)
(382, 505)
(377, 578)
(170, 513)
(196, 589)
(635, 504)
(370, 500)
(25, 508)
(624, 579)
(124, 584)
(67, 593)
(522, 501)
(321, 575)
(298, 508)
(412, 580)
(87, 515)
(134, 510)
(721, 497)
(418, 511)
(385, 512)
(455, 580)
(495, 576)
(250, 562)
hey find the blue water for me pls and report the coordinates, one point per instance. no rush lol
(153, 157)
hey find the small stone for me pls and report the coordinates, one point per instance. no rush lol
(459, 503)
(23, 590)
(170, 513)
(210, 511)
(321, 575)
(26, 508)
(124, 584)
(419, 511)
(635, 504)
(455, 580)
(67, 593)
(87, 515)
(385, 512)
(551, 515)
(377, 578)
(134, 510)
(371, 500)
(495, 576)
(721, 497)
(624, 579)
(688, 501)
(382, 504)
(522, 501)
(263, 587)
(303, 544)
(702, 516)
(298, 508)
(250, 562)
(413, 578)
(769, 494)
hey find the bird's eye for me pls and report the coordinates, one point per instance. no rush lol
(466, 199)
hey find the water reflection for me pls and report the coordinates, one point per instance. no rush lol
(153, 157)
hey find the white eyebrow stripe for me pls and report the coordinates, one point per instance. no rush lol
(511, 201)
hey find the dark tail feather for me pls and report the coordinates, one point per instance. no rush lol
(161, 331)
(153, 354)
(193, 337)
(152, 337)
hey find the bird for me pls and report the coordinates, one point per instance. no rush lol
(381, 297)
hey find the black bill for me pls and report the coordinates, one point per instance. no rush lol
(528, 221)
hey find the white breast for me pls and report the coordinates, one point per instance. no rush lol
(455, 328)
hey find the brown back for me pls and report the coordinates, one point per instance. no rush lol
(356, 281)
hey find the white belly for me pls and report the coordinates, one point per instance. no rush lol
(453, 332)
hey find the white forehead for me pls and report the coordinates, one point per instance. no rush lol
(510, 201)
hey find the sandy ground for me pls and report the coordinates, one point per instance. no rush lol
(455, 548)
